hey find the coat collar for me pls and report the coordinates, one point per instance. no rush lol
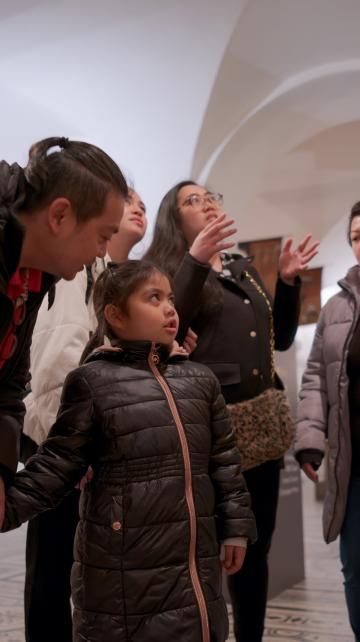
(130, 352)
(351, 282)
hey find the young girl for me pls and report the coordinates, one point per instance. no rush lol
(167, 485)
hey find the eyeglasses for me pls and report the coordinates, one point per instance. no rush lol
(196, 200)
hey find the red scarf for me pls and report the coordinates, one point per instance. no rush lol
(21, 283)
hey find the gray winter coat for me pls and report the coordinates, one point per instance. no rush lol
(323, 410)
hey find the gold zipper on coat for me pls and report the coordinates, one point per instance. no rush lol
(153, 360)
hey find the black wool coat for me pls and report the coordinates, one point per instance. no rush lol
(234, 332)
(167, 487)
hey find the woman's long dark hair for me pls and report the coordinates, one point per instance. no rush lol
(57, 167)
(169, 246)
(114, 286)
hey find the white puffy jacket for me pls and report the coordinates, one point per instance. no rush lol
(60, 336)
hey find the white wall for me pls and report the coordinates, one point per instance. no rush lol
(132, 77)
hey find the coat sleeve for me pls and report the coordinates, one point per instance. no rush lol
(312, 411)
(60, 336)
(286, 312)
(233, 512)
(12, 408)
(189, 281)
(61, 460)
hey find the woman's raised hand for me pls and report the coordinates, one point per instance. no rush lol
(291, 262)
(212, 239)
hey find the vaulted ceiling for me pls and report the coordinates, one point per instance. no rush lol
(259, 98)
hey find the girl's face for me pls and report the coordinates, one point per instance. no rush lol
(133, 222)
(151, 314)
(131, 229)
(197, 207)
(355, 237)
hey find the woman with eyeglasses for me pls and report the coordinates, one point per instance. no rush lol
(56, 214)
(215, 293)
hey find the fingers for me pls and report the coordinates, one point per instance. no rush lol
(190, 341)
(310, 253)
(304, 242)
(191, 335)
(178, 350)
(213, 238)
(219, 223)
(227, 562)
(287, 245)
(233, 559)
(224, 246)
(310, 472)
(2, 501)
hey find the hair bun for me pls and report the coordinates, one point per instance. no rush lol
(64, 143)
(12, 185)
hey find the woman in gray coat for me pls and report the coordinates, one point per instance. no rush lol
(329, 410)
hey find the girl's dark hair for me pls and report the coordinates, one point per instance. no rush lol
(114, 286)
(169, 245)
(354, 212)
(81, 172)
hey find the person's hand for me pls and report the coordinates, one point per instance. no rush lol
(291, 262)
(310, 472)
(212, 239)
(190, 341)
(177, 350)
(2, 501)
(233, 559)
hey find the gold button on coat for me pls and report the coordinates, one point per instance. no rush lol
(116, 526)
(253, 333)
(247, 301)
(255, 371)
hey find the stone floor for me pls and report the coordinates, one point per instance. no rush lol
(311, 611)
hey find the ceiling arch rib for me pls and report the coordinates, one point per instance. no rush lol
(289, 85)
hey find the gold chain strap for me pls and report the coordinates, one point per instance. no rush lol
(271, 320)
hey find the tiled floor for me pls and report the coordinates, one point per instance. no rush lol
(312, 611)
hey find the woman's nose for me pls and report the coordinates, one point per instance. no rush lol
(138, 211)
(208, 205)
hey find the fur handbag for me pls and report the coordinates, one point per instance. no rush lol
(263, 427)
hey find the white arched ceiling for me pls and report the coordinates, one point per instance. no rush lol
(258, 97)
(133, 77)
(281, 133)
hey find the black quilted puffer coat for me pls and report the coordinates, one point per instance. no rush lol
(167, 487)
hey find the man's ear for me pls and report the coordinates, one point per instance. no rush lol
(113, 316)
(61, 216)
